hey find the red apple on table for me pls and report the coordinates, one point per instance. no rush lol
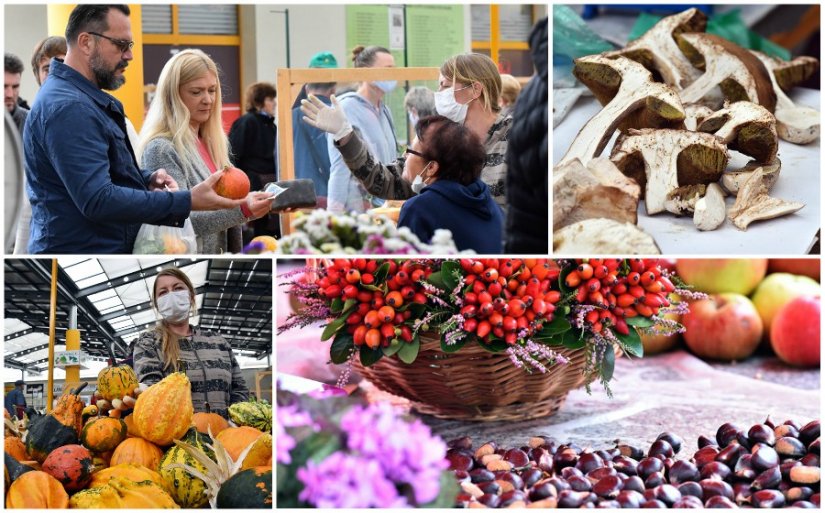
(655, 343)
(803, 266)
(777, 290)
(722, 327)
(719, 275)
(795, 332)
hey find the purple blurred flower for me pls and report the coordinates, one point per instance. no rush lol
(347, 481)
(407, 451)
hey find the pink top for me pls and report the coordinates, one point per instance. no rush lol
(204, 153)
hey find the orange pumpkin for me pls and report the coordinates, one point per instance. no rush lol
(15, 447)
(136, 473)
(138, 452)
(37, 490)
(131, 428)
(103, 434)
(206, 421)
(236, 439)
(164, 411)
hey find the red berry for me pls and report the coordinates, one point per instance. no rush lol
(483, 329)
(353, 276)
(372, 319)
(386, 313)
(373, 338)
(367, 279)
(470, 325)
(394, 299)
(360, 335)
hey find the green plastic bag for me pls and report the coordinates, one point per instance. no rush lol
(572, 38)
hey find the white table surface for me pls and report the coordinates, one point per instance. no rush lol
(799, 180)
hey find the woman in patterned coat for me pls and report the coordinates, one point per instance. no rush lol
(175, 345)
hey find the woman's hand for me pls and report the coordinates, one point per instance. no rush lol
(204, 196)
(259, 203)
(328, 119)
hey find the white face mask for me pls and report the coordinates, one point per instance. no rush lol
(174, 307)
(413, 119)
(447, 106)
(418, 182)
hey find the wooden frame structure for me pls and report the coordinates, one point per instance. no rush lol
(289, 83)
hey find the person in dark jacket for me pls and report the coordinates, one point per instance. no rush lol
(527, 190)
(15, 402)
(311, 155)
(252, 142)
(444, 165)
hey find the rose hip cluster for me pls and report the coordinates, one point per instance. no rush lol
(619, 293)
(379, 316)
(766, 466)
(508, 297)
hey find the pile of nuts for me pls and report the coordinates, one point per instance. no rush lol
(766, 466)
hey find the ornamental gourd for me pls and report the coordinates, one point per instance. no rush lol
(253, 413)
(122, 493)
(56, 429)
(14, 447)
(103, 434)
(250, 488)
(71, 465)
(236, 439)
(188, 491)
(206, 422)
(261, 453)
(138, 452)
(14, 468)
(116, 382)
(37, 490)
(164, 411)
(136, 473)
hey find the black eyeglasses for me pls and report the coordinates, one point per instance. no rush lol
(413, 152)
(122, 44)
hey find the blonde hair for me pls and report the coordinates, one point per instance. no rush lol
(169, 341)
(467, 68)
(510, 89)
(169, 118)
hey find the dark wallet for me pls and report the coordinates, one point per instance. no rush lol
(298, 194)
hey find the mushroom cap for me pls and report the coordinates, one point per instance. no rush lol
(603, 237)
(745, 127)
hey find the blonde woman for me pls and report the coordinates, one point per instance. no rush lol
(510, 89)
(183, 134)
(469, 88)
(177, 346)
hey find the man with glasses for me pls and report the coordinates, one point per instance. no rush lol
(88, 194)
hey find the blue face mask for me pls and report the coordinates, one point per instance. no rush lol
(385, 85)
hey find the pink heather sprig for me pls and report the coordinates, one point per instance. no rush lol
(664, 326)
(691, 294)
(425, 320)
(545, 353)
(455, 295)
(581, 312)
(456, 329)
(434, 293)
(343, 379)
(534, 354)
(293, 272)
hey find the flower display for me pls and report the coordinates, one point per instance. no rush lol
(525, 308)
(340, 453)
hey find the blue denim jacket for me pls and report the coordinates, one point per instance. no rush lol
(88, 194)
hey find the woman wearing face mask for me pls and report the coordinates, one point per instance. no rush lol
(443, 166)
(184, 135)
(177, 346)
(468, 94)
(366, 110)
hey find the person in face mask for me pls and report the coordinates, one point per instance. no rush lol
(443, 166)
(365, 109)
(469, 91)
(175, 345)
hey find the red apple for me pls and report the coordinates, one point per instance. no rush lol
(722, 327)
(795, 332)
(718, 275)
(805, 266)
(655, 343)
(776, 291)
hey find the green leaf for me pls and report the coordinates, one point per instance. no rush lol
(393, 348)
(447, 493)
(632, 343)
(372, 288)
(337, 305)
(436, 279)
(417, 310)
(458, 345)
(557, 326)
(608, 364)
(341, 347)
(409, 350)
(573, 339)
(370, 356)
(450, 270)
(332, 327)
(562, 277)
(495, 345)
(640, 322)
(349, 305)
(381, 274)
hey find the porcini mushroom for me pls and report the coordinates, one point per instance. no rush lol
(657, 50)
(799, 125)
(745, 127)
(598, 190)
(662, 160)
(682, 200)
(732, 181)
(754, 204)
(739, 74)
(709, 211)
(603, 237)
(791, 73)
(625, 88)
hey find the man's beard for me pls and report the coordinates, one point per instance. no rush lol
(106, 78)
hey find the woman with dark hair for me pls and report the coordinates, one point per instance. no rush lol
(252, 143)
(443, 165)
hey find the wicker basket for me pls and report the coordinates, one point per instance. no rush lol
(475, 384)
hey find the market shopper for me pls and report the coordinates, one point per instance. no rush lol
(443, 165)
(469, 90)
(510, 89)
(310, 146)
(15, 401)
(175, 345)
(87, 193)
(419, 102)
(12, 73)
(527, 224)
(366, 110)
(44, 51)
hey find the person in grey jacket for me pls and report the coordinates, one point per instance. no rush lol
(183, 134)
